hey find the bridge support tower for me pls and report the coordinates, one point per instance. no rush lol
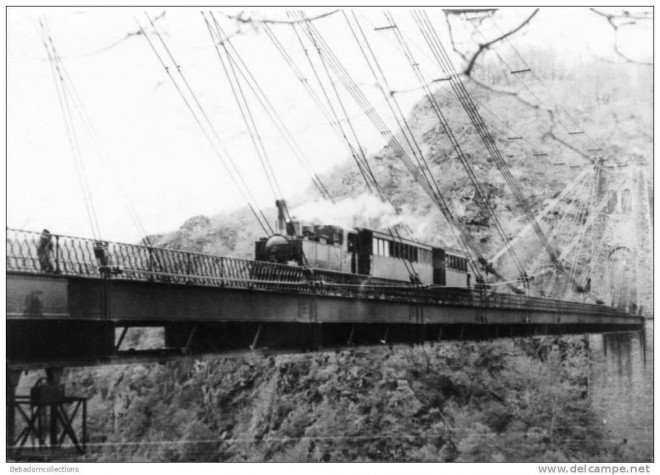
(46, 417)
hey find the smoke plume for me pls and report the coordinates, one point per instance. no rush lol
(365, 211)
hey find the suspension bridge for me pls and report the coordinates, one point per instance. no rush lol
(590, 273)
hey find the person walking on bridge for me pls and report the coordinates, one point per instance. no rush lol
(44, 250)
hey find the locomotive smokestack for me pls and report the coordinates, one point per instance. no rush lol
(281, 220)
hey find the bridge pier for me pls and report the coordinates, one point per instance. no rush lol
(53, 379)
(47, 416)
(13, 378)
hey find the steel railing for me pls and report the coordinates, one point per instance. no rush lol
(73, 256)
(91, 258)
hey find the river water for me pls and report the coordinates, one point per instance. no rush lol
(621, 389)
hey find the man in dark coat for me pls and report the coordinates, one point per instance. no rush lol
(44, 250)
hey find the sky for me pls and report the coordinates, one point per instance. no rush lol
(148, 153)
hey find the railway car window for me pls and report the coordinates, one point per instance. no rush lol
(381, 247)
(415, 254)
(351, 244)
(374, 247)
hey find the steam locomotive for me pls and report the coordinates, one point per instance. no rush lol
(362, 251)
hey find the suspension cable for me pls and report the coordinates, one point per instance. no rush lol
(558, 228)
(65, 106)
(430, 35)
(225, 158)
(243, 105)
(519, 77)
(83, 114)
(272, 113)
(516, 135)
(377, 121)
(361, 159)
(362, 162)
(454, 142)
(246, 114)
(538, 79)
(236, 176)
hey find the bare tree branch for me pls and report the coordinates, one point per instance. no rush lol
(620, 20)
(624, 15)
(460, 11)
(240, 18)
(551, 133)
(114, 44)
(484, 46)
(451, 36)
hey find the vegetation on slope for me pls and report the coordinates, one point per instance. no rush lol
(526, 400)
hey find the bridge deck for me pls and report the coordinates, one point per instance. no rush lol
(76, 258)
(217, 304)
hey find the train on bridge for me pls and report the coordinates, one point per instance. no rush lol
(362, 251)
(71, 300)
